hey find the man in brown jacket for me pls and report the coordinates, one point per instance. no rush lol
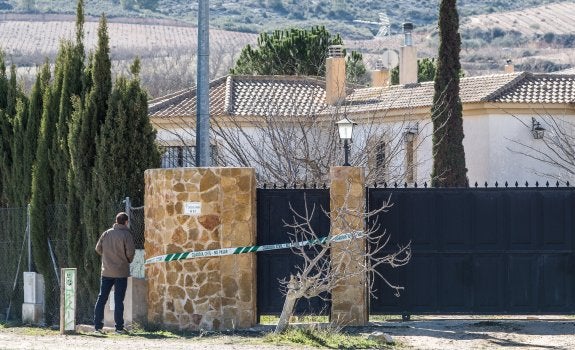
(116, 246)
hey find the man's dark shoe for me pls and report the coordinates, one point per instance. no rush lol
(121, 331)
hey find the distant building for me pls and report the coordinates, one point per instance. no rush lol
(510, 120)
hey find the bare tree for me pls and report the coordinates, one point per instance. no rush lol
(324, 269)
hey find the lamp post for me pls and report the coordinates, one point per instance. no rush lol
(345, 127)
(537, 129)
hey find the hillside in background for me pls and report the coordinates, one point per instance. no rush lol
(539, 39)
(256, 16)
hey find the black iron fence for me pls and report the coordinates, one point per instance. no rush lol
(480, 250)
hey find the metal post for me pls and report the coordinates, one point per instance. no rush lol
(128, 209)
(28, 237)
(203, 157)
(346, 152)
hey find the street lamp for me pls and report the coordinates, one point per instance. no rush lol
(345, 127)
(537, 130)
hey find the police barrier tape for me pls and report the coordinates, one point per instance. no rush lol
(250, 249)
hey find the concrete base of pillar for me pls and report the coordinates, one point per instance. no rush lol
(135, 304)
(33, 313)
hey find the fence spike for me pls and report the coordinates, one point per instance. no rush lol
(375, 184)
(506, 184)
(547, 184)
(395, 185)
(295, 185)
(536, 183)
(275, 186)
(476, 184)
(415, 184)
(285, 185)
(557, 183)
(324, 185)
(265, 185)
(384, 184)
(405, 184)
(315, 185)
(486, 184)
(526, 184)
(425, 184)
(496, 184)
(516, 184)
(304, 185)
(567, 184)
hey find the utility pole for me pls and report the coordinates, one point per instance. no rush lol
(203, 156)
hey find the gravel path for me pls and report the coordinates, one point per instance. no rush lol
(431, 333)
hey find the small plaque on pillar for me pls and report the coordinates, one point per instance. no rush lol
(192, 208)
(68, 300)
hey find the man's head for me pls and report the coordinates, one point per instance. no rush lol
(122, 218)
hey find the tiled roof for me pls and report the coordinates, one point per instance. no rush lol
(248, 95)
(297, 95)
(183, 103)
(540, 88)
(473, 89)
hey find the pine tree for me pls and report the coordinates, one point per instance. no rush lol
(287, 52)
(449, 156)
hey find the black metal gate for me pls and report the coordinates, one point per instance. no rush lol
(273, 208)
(480, 251)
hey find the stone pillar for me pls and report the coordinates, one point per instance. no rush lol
(194, 209)
(349, 301)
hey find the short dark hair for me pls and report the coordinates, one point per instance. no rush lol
(122, 218)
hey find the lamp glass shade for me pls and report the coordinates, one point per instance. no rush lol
(345, 127)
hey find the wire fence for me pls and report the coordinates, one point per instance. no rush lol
(16, 258)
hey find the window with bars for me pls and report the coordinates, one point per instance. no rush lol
(182, 156)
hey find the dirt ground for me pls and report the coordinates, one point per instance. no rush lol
(420, 333)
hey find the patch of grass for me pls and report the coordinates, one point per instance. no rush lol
(322, 339)
(273, 319)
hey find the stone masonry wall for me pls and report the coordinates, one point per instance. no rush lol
(347, 190)
(202, 293)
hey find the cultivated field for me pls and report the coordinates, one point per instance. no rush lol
(536, 39)
(167, 51)
(553, 18)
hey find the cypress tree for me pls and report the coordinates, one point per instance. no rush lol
(5, 131)
(446, 113)
(78, 87)
(87, 120)
(42, 199)
(10, 93)
(125, 147)
(18, 186)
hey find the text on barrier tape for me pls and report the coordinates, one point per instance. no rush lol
(249, 249)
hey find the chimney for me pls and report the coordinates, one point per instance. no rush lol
(380, 76)
(407, 57)
(509, 67)
(335, 75)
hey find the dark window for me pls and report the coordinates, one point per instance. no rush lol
(183, 156)
(178, 156)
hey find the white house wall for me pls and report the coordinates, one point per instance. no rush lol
(493, 144)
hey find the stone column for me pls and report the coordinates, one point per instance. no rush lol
(202, 293)
(349, 301)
